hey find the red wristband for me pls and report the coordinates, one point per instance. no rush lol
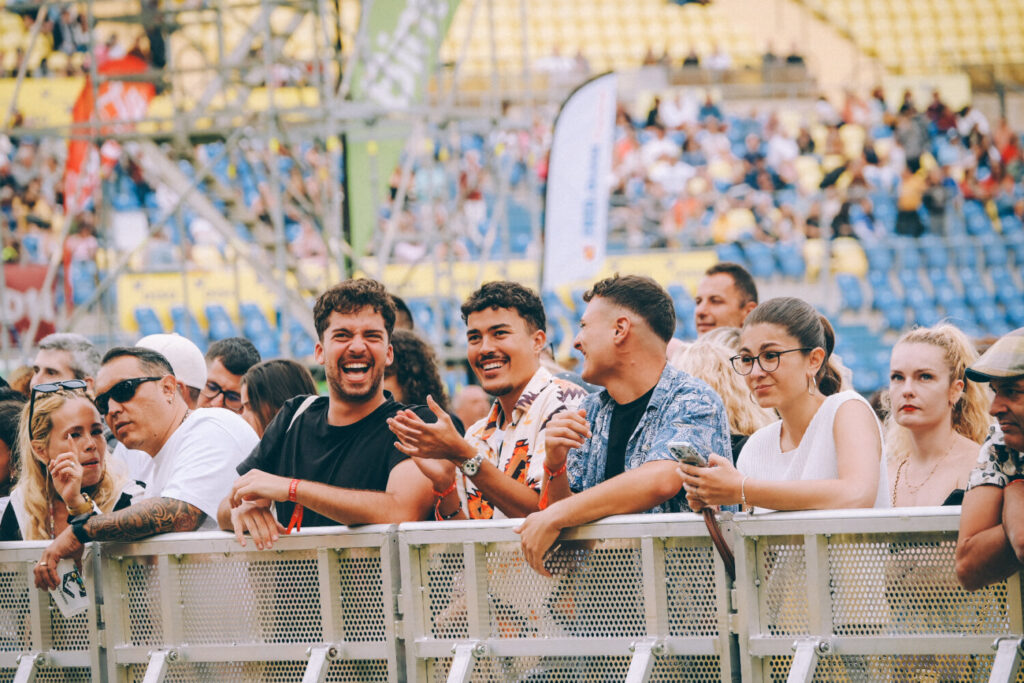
(543, 503)
(447, 492)
(293, 487)
(1013, 481)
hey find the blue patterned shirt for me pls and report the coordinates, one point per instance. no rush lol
(682, 408)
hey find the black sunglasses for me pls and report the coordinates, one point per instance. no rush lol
(122, 392)
(50, 388)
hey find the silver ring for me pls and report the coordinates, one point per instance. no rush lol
(42, 563)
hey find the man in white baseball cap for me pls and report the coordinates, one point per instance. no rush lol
(186, 359)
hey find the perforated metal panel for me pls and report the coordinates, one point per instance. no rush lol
(252, 601)
(576, 669)
(15, 634)
(444, 577)
(141, 602)
(340, 671)
(592, 580)
(362, 595)
(690, 590)
(782, 570)
(53, 675)
(924, 596)
(951, 668)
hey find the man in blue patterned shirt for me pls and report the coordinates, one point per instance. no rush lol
(613, 451)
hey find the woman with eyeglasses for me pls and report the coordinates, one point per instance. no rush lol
(64, 471)
(826, 450)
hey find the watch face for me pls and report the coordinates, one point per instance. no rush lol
(471, 466)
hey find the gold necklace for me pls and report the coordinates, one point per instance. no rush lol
(910, 487)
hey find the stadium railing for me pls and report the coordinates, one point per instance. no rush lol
(826, 596)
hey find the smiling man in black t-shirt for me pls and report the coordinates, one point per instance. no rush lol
(337, 457)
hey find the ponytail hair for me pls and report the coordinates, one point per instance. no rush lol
(811, 330)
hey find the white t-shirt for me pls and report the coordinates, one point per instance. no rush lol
(197, 464)
(814, 458)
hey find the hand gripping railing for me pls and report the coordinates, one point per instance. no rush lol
(863, 595)
(631, 598)
(199, 607)
(34, 636)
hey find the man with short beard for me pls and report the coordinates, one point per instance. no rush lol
(502, 457)
(334, 456)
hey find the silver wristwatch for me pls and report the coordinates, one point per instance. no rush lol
(472, 466)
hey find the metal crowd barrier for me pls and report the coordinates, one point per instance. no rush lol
(837, 596)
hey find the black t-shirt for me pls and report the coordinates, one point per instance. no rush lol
(625, 418)
(356, 456)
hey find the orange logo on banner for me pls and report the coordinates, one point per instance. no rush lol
(589, 253)
(120, 104)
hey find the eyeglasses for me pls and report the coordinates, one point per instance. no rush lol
(122, 392)
(768, 360)
(232, 399)
(50, 388)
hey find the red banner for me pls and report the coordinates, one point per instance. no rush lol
(120, 104)
(24, 297)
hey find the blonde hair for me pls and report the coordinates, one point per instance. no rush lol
(969, 414)
(34, 481)
(710, 362)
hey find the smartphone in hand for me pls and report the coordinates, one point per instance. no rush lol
(686, 453)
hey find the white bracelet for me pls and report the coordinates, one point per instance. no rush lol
(743, 492)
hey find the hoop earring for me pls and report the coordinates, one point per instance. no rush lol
(812, 385)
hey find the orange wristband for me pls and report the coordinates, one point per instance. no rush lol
(296, 520)
(551, 475)
(447, 492)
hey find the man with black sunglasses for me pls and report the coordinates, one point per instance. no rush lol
(192, 455)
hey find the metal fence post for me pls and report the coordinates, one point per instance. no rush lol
(28, 664)
(1007, 662)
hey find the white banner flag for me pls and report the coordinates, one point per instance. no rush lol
(579, 170)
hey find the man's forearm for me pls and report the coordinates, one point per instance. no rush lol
(513, 498)
(146, 518)
(224, 514)
(985, 558)
(352, 506)
(637, 490)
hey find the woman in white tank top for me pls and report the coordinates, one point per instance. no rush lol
(826, 436)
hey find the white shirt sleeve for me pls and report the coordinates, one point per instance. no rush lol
(200, 467)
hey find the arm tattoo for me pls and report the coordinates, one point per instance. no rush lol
(146, 518)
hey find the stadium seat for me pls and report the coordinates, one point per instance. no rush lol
(791, 261)
(731, 252)
(976, 219)
(254, 323)
(879, 258)
(425, 319)
(760, 261)
(186, 325)
(936, 256)
(219, 323)
(995, 253)
(895, 316)
(1011, 226)
(148, 322)
(850, 292)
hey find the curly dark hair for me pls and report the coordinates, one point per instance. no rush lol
(416, 368)
(641, 295)
(506, 294)
(352, 295)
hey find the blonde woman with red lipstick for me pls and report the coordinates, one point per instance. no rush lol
(936, 422)
(64, 473)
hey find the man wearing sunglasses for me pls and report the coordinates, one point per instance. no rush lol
(193, 454)
(333, 459)
(227, 361)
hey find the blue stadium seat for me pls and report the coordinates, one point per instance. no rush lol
(300, 344)
(976, 219)
(978, 296)
(879, 279)
(148, 321)
(267, 344)
(936, 256)
(885, 298)
(909, 256)
(760, 261)
(731, 252)
(425, 319)
(1015, 313)
(254, 323)
(454, 327)
(1015, 245)
(926, 315)
(946, 295)
(791, 260)
(186, 325)
(895, 316)
(1011, 226)
(850, 292)
(221, 326)
(995, 252)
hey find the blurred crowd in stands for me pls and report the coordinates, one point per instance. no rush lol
(691, 172)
